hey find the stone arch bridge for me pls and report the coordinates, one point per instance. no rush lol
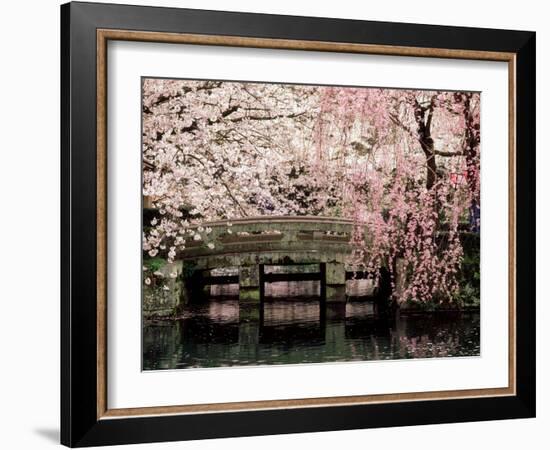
(256, 243)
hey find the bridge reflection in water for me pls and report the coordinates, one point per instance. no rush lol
(214, 333)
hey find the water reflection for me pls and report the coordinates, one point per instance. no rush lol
(294, 289)
(213, 334)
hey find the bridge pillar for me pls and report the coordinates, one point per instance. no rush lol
(249, 284)
(335, 278)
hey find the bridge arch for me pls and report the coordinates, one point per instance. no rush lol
(252, 243)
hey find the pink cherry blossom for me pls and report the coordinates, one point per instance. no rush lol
(403, 164)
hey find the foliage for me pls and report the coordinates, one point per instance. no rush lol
(154, 264)
(468, 295)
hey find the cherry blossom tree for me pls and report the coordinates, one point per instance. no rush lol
(388, 158)
(216, 150)
(411, 218)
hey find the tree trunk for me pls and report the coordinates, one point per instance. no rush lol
(471, 148)
(431, 165)
(423, 116)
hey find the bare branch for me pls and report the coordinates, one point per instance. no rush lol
(448, 154)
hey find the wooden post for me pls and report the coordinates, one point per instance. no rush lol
(323, 281)
(261, 279)
(323, 295)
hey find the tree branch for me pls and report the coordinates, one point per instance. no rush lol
(278, 116)
(448, 154)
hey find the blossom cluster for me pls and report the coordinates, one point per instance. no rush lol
(387, 158)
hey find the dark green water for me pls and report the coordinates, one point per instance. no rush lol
(211, 335)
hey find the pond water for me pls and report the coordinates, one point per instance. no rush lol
(212, 334)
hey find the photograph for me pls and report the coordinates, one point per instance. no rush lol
(299, 224)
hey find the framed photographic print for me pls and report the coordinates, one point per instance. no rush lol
(276, 224)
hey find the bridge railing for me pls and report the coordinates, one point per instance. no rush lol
(268, 234)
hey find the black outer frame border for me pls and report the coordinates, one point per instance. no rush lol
(79, 425)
